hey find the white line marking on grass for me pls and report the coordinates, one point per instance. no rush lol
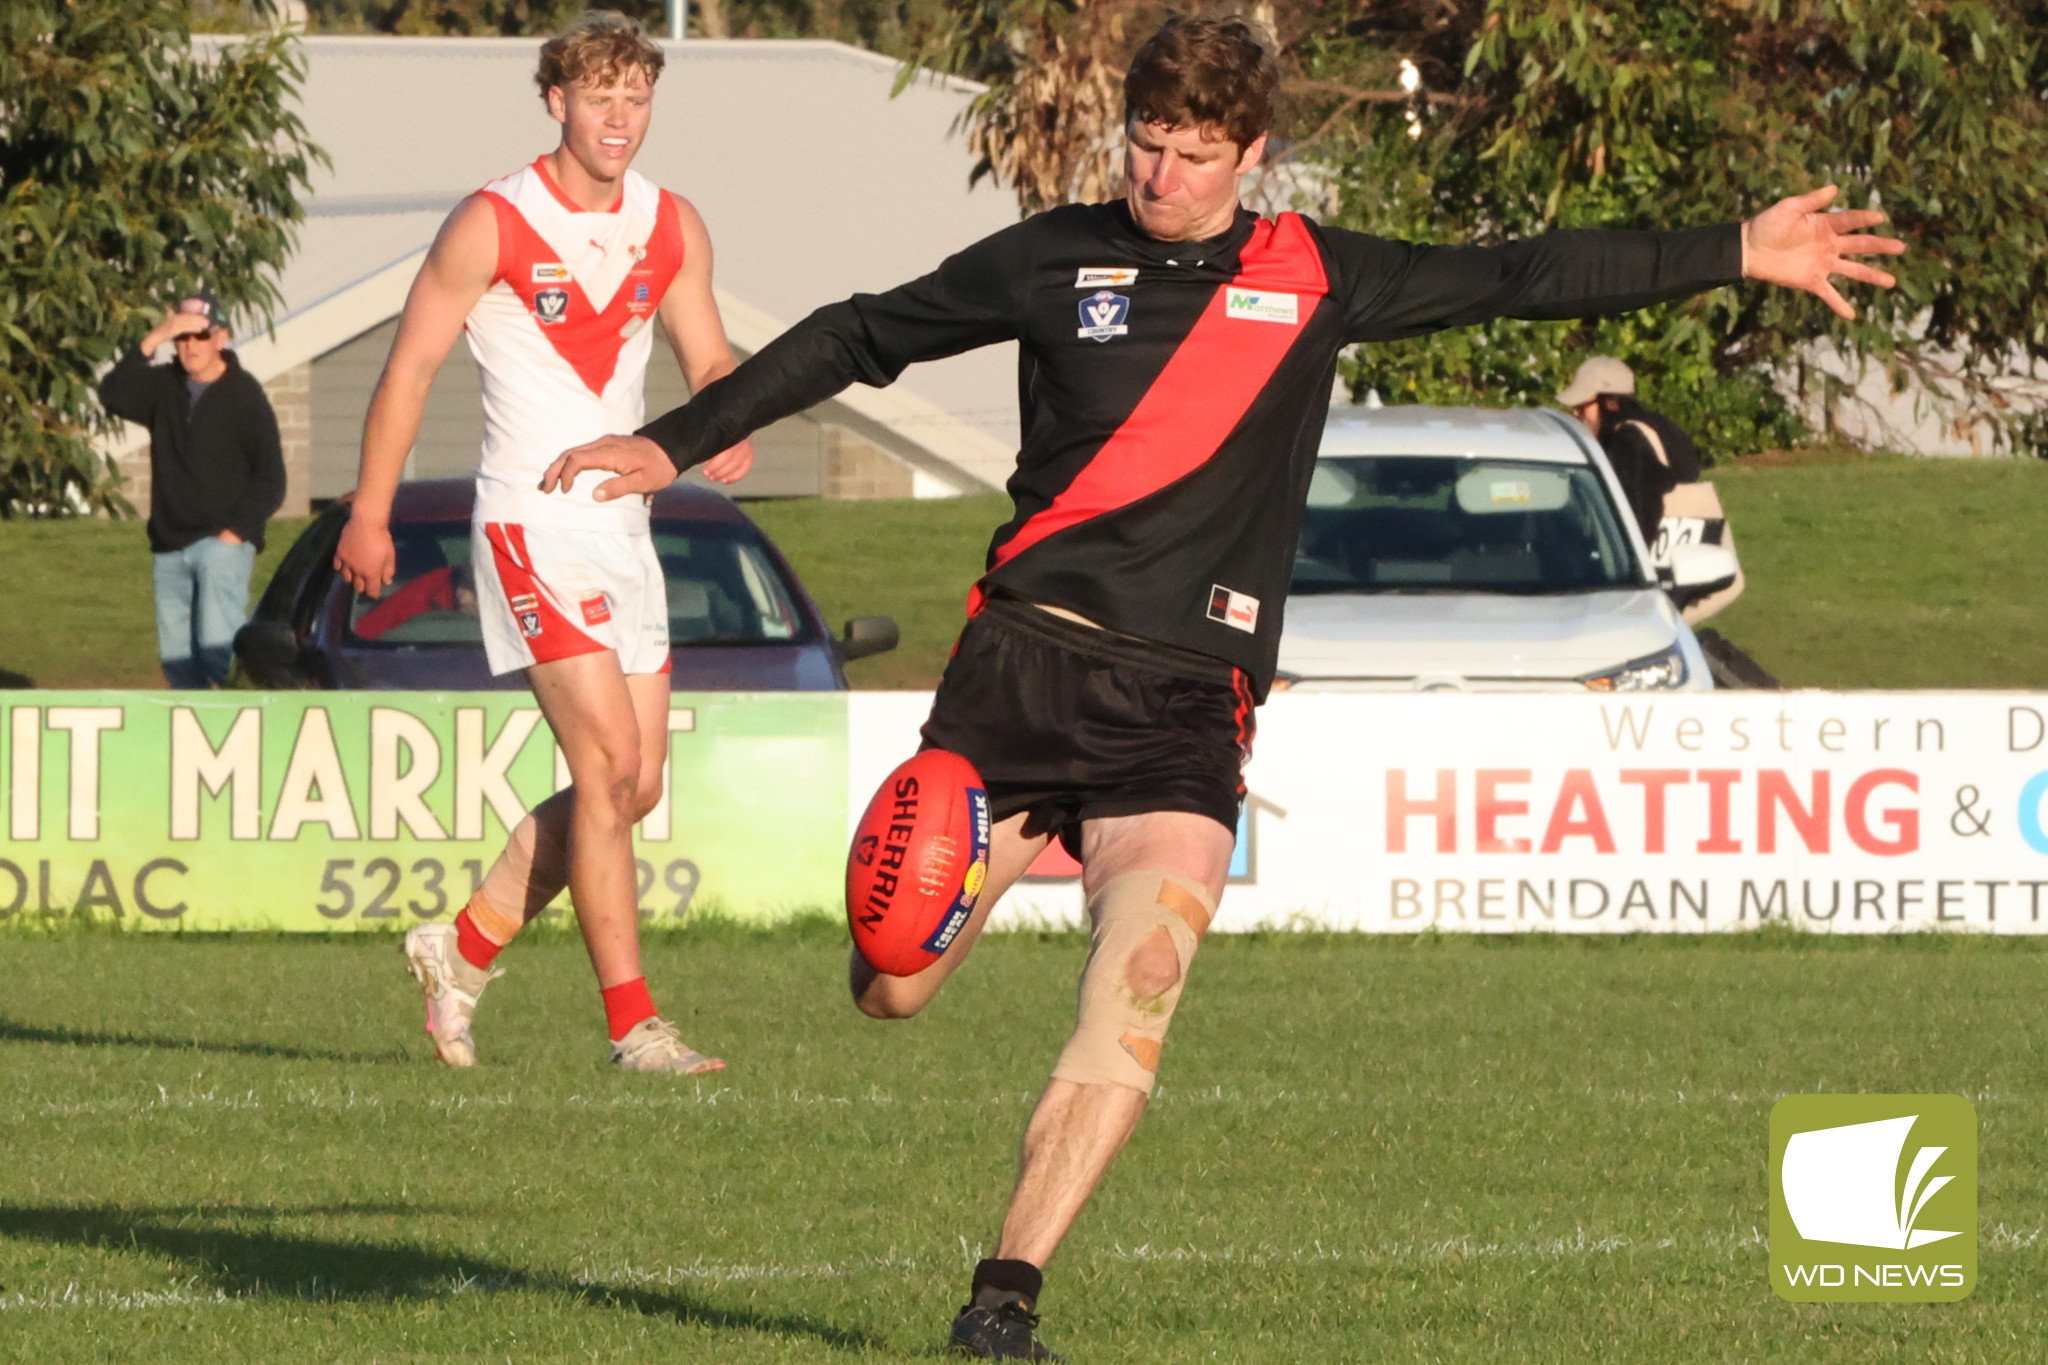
(120, 1301)
(715, 1272)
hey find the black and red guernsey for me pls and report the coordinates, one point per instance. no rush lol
(1173, 394)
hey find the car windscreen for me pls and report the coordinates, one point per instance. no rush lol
(723, 589)
(1393, 523)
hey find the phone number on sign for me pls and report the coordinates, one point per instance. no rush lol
(381, 889)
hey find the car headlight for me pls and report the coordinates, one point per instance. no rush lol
(1658, 672)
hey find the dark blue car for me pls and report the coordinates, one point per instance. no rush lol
(738, 618)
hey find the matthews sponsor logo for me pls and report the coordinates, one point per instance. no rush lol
(1259, 306)
(550, 272)
(1873, 1198)
(1104, 315)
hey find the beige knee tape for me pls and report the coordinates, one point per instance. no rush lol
(1146, 927)
(527, 875)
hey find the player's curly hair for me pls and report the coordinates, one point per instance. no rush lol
(599, 46)
(1204, 73)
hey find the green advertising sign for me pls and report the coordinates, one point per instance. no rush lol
(338, 810)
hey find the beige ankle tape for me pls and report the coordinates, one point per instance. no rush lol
(520, 884)
(1147, 925)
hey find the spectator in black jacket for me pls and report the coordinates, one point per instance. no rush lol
(1649, 452)
(216, 476)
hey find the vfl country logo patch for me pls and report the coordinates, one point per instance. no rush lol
(1103, 316)
(1238, 610)
(1873, 1198)
(529, 624)
(550, 272)
(1257, 306)
(1096, 276)
(551, 305)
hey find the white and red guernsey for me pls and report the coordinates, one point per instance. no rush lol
(562, 338)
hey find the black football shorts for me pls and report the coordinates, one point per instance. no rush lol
(1070, 723)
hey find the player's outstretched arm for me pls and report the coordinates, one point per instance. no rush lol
(689, 314)
(1394, 290)
(458, 269)
(973, 299)
(1795, 244)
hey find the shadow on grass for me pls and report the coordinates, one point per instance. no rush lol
(15, 1031)
(256, 1264)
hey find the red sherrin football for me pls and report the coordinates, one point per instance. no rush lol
(919, 857)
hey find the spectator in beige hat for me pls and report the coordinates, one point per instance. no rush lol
(1659, 469)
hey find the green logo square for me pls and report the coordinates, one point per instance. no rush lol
(1873, 1198)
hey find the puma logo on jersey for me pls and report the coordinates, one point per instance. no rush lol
(1238, 610)
(550, 272)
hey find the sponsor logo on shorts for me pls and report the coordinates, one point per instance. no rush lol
(551, 272)
(1096, 276)
(1239, 611)
(529, 624)
(596, 610)
(551, 305)
(1104, 316)
(526, 601)
(1258, 306)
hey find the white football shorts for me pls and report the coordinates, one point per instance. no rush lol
(549, 592)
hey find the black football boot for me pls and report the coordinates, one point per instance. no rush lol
(1004, 1330)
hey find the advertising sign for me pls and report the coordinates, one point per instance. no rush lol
(1847, 813)
(335, 810)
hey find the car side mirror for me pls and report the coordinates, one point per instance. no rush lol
(1699, 571)
(269, 651)
(865, 636)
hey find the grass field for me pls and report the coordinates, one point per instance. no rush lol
(1863, 572)
(1892, 572)
(1365, 1150)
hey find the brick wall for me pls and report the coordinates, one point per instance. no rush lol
(291, 397)
(856, 468)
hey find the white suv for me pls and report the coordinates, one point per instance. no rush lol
(1467, 549)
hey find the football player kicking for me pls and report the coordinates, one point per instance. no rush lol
(554, 272)
(1178, 353)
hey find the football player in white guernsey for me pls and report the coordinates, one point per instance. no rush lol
(553, 273)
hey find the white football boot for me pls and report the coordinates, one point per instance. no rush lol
(653, 1044)
(452, 985)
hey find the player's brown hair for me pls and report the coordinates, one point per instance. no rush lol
(599, 46)
(1204, 73)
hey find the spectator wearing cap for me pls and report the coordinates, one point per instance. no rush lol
(1650, 455)
(216, 476)
(1659, 469)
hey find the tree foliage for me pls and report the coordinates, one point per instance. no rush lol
(1533, 114)
(131, 168)
(894, 27)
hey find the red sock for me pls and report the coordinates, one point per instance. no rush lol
(625, 1005)
(476, 950)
